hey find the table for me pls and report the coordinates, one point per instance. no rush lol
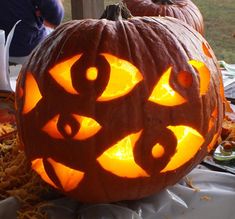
(207, 195)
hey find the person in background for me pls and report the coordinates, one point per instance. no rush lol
(38, 19)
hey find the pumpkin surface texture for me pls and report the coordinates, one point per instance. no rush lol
(184, 10)
(111, 110)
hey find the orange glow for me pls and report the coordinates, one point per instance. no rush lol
(92, 73)
(123, 78)
(69, 178)
(213, 142)
(62, 74)
(20, 92)
(32, 93)
(206, 50)
(221, 88)
(38, 166)
(212, 119)
(51, 128)
(185, 79)
(88, 127)
(119, 158)
(68, 129)
(189, 142)
(163, 94)
(204, 75)
(158, 151)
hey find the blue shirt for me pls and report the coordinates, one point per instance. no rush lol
(30, 31)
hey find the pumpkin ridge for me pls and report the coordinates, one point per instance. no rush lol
(178, 9)
(199, 28)
(176, 35)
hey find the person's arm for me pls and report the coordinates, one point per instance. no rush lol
(52, 12)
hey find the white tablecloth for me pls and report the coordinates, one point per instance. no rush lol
(213, 198)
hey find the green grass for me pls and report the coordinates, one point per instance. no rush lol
(219, 18)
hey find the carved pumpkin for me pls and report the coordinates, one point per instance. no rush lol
(184, 10)
(114, 110)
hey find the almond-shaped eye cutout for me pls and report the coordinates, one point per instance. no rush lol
(32, 93)
(88, 128)
(69, 178)
(204, 75)
(61, 73)
(119, 158)
(51, 128)
(189, 142)
(123, 78)
(38, 167)
(163, 94)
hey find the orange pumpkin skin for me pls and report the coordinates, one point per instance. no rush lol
(184, 10)
(152, 133)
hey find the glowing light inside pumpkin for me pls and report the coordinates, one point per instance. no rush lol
(61, 73)
(38, 166)
(88, 128)
(189, 142)
(119, 158)
(185, 79)
(163, 94)
(123, 78)
(158, 151)
(69, 178)
(92, 73)
(204, 75)
(51, 128)
(32, 93)
(213, 119)
(68, 129)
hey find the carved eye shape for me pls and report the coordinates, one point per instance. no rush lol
(88, 128)
(119, 158)
(204, 75)
(32, 93)
(38, 166)
(69, 178)
(61, 73)
(189, 142)
(163, 94)
(123, 78)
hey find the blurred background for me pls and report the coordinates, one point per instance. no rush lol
(219, 19)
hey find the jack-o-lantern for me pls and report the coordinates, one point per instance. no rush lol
(113, 110)
(184, 10)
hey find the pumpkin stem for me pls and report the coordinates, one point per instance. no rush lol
(164, 2)
(116, 12)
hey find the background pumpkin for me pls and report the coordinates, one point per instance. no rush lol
(184, 10)
(118, 109)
